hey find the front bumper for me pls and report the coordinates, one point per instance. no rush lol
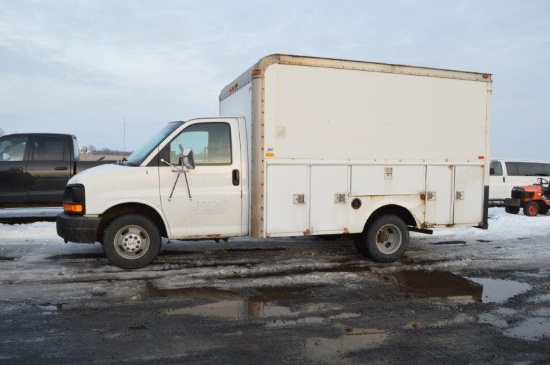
(78, 229)
(512, 202)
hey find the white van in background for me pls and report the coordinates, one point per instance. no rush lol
(505, 174)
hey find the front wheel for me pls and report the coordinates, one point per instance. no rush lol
(131, 241)
(511, 209)
(385, 240)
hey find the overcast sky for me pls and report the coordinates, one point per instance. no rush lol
(89, 67)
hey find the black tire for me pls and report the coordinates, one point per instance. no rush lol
(385, 240)
(359, 243)
(543, 210)
(511, 210)
(131, 241)
(531, 209)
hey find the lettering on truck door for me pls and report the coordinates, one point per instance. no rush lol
(215, 206)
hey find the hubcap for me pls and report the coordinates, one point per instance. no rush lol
(388, 239)
(132, 242)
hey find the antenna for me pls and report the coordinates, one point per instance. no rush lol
(124, 137)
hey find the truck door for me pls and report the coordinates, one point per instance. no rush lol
(497, 182)
(48, 169)
(13, 166)
(215, 185)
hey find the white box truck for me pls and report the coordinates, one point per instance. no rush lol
(304, 146)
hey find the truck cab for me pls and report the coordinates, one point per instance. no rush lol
(208, 202)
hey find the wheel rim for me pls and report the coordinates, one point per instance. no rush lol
(533, 209)
(132, 242)
(388, 239)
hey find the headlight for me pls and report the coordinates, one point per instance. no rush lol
(73, 199)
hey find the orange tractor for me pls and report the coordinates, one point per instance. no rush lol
(534, 199)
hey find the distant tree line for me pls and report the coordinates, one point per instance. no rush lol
(104, 151)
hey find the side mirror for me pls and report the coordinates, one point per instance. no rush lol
(188, 159)
(491, 171)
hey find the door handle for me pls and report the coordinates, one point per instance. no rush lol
(15, 169)
(236, 177)
(61, 168)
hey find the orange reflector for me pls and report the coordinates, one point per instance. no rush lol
(73, 208)
(481, 157)
(485, 76)
(257, 72)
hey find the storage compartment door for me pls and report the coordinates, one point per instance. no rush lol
(439, 192)
(287, 200)
(329, 188)
(469, 189)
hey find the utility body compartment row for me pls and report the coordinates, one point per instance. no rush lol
(316, 199)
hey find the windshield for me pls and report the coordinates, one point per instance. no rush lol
(138, 156)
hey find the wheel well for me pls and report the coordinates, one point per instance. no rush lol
(396, 210)
(119, 210)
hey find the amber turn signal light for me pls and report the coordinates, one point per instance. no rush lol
(73, 208)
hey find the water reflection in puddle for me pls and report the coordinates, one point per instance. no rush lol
(531, 329)
(151, 292)
(440, 284)
(500, 291)
(437, 284)
(331, 350)
(443, 284)
(228, 304)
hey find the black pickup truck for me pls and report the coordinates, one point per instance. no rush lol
(35, 167)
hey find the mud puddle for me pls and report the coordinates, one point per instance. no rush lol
(531, 329)
(449, 286)
(500, 291)
(331, 350)
(231, 305)
(436, 284)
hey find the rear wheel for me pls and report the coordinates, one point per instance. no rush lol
(543, 210)
(359, 243)
(385, 240)
(131, 241)
(531, 209)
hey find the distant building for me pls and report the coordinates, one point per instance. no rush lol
(86, 151)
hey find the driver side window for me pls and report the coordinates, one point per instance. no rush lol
(496, 168)
(210, 142)
(13, 148)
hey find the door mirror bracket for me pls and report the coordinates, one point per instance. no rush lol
(187, 161)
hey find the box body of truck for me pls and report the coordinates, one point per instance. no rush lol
(331, 142)
(309, 146)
